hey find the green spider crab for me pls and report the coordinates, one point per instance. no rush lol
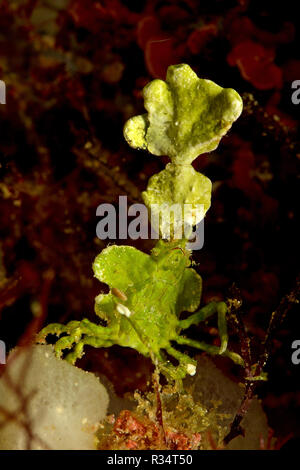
(186, 116)
(142, 309)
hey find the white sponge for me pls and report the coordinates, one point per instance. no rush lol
(65, 407)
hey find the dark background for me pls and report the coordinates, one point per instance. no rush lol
(74, 73)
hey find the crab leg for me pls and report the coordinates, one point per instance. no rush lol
(210, 349)
(55, 329)
(213, 307)
(77, 352)
(169, 369)
(199, 316)
(79, 334)
(222, 326)
(185, 362)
